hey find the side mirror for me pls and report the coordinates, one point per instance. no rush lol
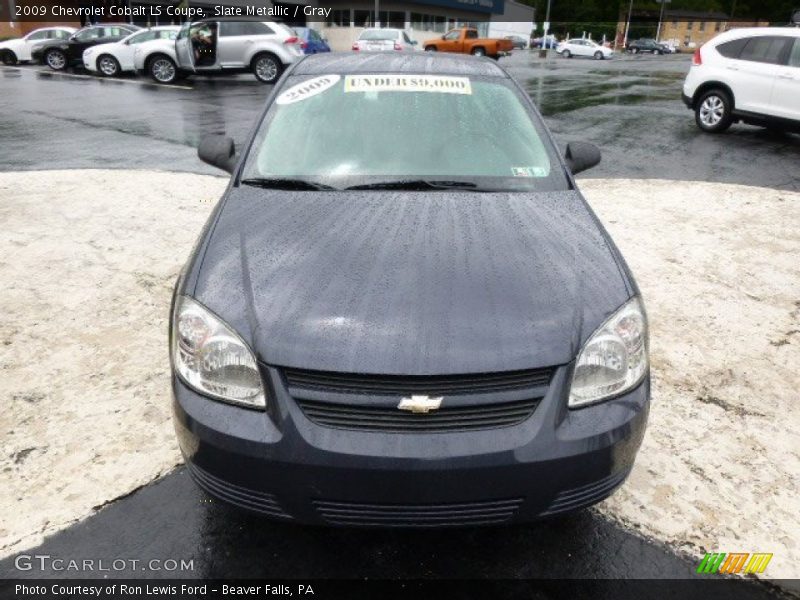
(414, 42)
(581, 156)
(218, 151)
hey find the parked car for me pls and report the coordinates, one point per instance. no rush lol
(518, 41)
(19, 50)
(748, 75)
(551, 43)
(581, 47)
(646, 45)
(111, 60)
(222, 46)
(311, 40)
(395, 330)
(383, 40)
(60, 54)
(467, 41)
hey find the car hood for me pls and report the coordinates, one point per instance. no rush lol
(409, 282)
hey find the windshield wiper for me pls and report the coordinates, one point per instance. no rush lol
(418, 184)
(278, 183)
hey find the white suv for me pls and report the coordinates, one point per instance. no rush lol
(749, 75)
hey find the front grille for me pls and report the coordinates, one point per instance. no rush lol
(489, 512)
(433, 385)
(456, 418)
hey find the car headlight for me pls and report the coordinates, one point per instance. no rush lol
(211, 358)
(614, 359)
(88, 52)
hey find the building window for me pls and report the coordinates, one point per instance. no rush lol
(690, 25)
(702, 25)
(363, 18)
(422, 22)
(717, 26)
(674, 24)
(339, 18)
(395, 19)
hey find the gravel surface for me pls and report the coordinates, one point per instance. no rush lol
(90, 257)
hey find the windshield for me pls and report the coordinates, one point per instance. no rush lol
(355, 130)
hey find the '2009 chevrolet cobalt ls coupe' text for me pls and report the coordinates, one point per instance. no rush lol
(402, 312)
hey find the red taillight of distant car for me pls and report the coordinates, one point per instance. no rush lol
(697, 59)
(291, 40)
(397, 46)
(304, 45)
(355, 46)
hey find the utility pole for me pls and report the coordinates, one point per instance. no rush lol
(545, 41)
(628, 25)
(660, 19)
(377, 19)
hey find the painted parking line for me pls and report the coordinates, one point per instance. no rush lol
(44, 73)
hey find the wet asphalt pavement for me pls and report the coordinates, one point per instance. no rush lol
(629, 106)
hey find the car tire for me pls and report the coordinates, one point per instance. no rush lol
(566, 54)
(56, 59)
(430, 48)
(634, 51)
(598, 55)
(162, 69)
(713, 111)
(478, 52)
(266, 67)
(8, 58)
(108, 66)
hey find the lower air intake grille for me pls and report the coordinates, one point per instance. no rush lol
(489, 512)
(455, 418)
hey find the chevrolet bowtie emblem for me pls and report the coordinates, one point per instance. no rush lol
(420, 404)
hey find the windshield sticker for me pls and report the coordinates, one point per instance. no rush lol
(407, 83)
(529, 171)
(307, 89)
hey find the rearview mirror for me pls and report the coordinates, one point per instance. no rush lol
(581, 156)
(218, 151)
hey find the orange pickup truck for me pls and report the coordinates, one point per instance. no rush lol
(466, 41)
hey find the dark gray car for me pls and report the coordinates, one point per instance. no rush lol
(402, 312)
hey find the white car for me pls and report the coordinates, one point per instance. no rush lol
(581, 47)
(19, 50)
(111, 60)
(383, 40)
(750, 75)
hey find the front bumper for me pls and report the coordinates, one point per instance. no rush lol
(283, 465)
(687, 100)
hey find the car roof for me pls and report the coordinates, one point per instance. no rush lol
(394, 62)
(733, 34)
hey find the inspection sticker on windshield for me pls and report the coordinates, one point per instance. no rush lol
(307, 89)
(407, 83)
(529, 172)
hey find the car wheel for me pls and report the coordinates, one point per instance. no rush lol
(108, 66)
(162, 69)
(566, 54)
(9, 58)
(634, 50)
(598, 55)
(267, 68)
(714, 111)
(56, 59)
(478, 52)
(430, 48)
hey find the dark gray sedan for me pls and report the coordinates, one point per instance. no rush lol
(402, 312)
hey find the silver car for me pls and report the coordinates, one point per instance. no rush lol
(383, 40)
(210, 47)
